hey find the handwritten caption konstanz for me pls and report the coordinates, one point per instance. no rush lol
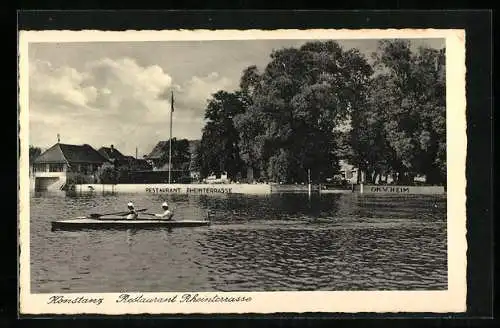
(141, 298)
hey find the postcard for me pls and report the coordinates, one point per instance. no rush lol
(242, 171)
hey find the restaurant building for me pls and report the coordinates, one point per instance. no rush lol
(62, 164)
(180, 172)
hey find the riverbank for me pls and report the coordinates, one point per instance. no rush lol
(256, 189)
(197, 189)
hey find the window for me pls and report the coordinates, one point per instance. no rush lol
(39, 168)
(58, 167)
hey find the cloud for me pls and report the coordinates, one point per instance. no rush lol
(115, 101)
(125, 75)
(195, 93)
(61, 85)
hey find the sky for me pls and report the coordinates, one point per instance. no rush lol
(118, 93)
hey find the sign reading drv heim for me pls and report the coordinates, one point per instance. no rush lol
(402, 189)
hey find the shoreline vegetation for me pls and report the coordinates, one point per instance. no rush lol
(315, 105)
(244, 188)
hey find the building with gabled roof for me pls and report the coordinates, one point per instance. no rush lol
(70, 154)
(158, 151)
(119, 160)
(138, 163)
(113, 155)
(62, 163)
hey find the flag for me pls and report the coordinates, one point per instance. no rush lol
(172, 103)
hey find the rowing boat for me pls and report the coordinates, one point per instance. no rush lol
(121, 223)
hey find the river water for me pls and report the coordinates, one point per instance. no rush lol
(277, 242)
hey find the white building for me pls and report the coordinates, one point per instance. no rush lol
(63, 163)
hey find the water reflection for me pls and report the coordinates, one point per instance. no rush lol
(274, 242)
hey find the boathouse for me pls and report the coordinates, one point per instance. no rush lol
(62, 164)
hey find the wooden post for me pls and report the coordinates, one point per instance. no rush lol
(170, 141)
(309, 180)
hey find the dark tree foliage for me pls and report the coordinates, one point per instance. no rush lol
(181, 155)
(315, 104)
(296, 103)
(34, 152)
(108, 175)
(218, 150)
(401, 129)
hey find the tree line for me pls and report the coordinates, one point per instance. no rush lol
(314, 105)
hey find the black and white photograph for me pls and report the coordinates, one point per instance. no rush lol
(231, 172)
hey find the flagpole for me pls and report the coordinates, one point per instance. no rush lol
(170, 141)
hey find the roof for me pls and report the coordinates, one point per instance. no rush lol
(64, 153)
(158, 150)
(136, 161)
(111, 153)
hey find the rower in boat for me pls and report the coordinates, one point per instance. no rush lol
(132, 213)
(167, 214)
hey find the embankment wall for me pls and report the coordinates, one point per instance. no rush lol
(199, 189)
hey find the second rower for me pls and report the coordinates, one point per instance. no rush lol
(167, 214)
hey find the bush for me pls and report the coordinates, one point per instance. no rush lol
(184, 179)
(108, 175)
(123, 175)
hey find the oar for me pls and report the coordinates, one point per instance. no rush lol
(122, 215)
(157, 218)
(141, 210)
(96, 215)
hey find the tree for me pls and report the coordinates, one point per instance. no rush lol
(219, 151)
(250, 123)
(34, 152)
(250, 80)
(296, 103)
(416, 122)
(180, 153)
(368, 146)
(402, 128)
(194, 163)
(108, 175)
